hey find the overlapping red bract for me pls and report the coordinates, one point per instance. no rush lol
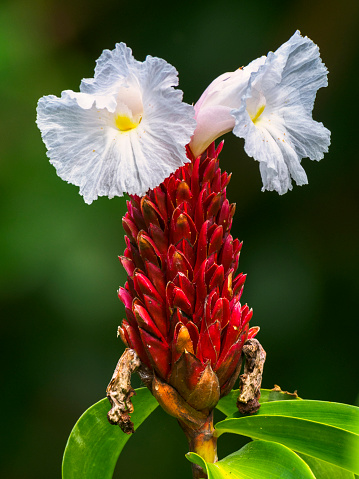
(182, 295)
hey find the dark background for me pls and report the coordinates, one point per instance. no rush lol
(59, 269)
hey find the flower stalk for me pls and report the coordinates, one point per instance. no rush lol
(203, 442)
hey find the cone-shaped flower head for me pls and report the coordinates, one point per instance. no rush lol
(269, 103)
(182, 296)
(126, 130)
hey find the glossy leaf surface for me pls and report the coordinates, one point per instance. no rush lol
(327, 431)
(257, 460)
(324, 470)
(94, 444)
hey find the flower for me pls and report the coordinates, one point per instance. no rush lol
(269, 103)
(126, 130)
(182, 297)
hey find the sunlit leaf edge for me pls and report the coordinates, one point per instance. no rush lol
(342, 416)
(94, 445)
(256, 460)
(325, 470)
(325, 442)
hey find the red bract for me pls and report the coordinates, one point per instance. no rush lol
(182, 296)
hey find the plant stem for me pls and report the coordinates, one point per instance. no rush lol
(202, 442)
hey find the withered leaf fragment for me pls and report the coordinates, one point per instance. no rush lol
(119, 391)
(250, 381)
(278, 389)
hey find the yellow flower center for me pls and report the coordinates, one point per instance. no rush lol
(125, 123)
(258, 114)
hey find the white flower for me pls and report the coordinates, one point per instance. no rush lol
(269, 103)
(126, 130)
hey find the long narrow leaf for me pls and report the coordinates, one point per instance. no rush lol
(257, 460)
(342, 416)
(324, 470)
(94, 445)
(331, 444)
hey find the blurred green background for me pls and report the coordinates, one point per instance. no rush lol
(59, 269)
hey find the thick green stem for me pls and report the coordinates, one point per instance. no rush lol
(202, 442)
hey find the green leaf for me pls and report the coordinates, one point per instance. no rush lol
(342, 416)
(94, 444)
(324, 470)
(257, 460)
(327, 431)
(227, 405)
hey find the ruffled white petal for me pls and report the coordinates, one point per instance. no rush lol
(284, 132)
(86, 101)
(301, 69)
(77, 140)
(90, 149)
(112, 68)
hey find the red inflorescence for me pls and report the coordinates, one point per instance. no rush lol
(182, 297)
